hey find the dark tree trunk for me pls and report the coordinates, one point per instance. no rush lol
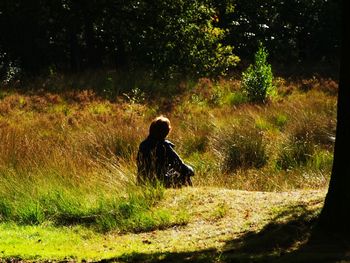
(335, 215)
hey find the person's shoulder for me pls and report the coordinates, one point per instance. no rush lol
(144, 142)
(169, 143)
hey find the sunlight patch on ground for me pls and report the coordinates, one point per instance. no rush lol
(216, 216)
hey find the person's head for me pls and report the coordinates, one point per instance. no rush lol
(160, 128)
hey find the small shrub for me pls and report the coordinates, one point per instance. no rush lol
(257, 79)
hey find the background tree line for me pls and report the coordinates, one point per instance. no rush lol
(193, 37)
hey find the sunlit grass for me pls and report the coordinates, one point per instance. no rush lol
(62, 243)
(67, 166)
(215, 216)
(70, 157)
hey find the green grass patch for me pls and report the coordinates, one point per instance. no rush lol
(76, 243)
(67, 165)
(133, 210)
(220, 221)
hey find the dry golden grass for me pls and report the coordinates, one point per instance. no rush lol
(77, 150)
(82, 135)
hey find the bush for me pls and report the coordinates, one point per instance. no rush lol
(308, 141)
(294, 153)
(257, 79)
(321, 160)
(196, 144)
(243, 148)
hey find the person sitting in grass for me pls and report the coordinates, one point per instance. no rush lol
(157, 160)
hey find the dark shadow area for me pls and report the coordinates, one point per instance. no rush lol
(289, 237)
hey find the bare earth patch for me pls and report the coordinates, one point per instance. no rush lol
(218, 215)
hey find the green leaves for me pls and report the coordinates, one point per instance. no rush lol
(165, 37)
(185, 39)
(257, 79)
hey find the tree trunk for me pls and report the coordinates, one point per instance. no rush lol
(335, 215)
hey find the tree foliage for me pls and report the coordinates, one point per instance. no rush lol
(166, 36)
(170, 36)
(293, 31)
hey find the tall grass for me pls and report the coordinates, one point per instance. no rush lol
(104, 199)
(75, 168)
(244, 145)
(52, 200)
(69, 157)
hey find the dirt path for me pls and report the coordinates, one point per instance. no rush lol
(218, 216)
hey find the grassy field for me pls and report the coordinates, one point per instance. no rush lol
(67, 168)
(217, 219)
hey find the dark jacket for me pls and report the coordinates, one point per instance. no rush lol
(157, 160)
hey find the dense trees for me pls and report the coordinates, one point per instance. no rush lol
(196, 37)
(293, 30)
(163, 35)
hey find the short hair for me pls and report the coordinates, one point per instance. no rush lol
(160, 128)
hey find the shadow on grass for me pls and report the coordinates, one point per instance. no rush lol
(289, 237)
